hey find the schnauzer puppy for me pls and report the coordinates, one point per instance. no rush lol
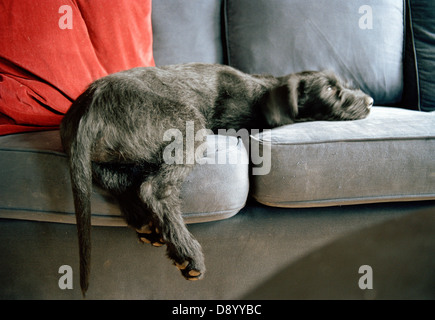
(113, 134)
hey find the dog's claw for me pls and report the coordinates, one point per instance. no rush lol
(182, 266)
(157, 244)
(194, 273)
(144, 240)
(145, 229)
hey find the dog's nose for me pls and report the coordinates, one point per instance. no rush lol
(369, 101)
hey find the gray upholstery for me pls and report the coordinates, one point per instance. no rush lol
(241, 253)
(36, 184)
(187, 31)
(280, 37)
(423, 32)
(388, 156)
(399, 253)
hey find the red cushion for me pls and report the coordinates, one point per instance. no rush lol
(45, 66)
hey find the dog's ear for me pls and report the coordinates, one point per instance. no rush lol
(294, 84)
(281, 105)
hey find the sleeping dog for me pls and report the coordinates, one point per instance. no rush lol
(113, 134)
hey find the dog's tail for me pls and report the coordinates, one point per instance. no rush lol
(78, 134)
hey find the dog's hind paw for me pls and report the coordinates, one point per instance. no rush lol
(188, 272)
(150, 234)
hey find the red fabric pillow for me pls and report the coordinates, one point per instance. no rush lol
(52, 50)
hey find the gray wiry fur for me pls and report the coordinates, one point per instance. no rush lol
(113, 133)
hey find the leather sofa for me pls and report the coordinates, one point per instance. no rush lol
(325, 179)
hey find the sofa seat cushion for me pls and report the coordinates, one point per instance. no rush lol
(35, 182)
(389, 156)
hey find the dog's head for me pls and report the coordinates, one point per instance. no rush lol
(315, 95)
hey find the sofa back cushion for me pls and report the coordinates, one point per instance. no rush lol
(187, 31)
(423, 32)
(361, 40)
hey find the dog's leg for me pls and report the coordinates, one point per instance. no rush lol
(139, 217)
(161, 193)
(121, 183)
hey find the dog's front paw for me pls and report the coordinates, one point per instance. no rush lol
(150, 234)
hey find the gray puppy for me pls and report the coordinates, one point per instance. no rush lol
(113, 134)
